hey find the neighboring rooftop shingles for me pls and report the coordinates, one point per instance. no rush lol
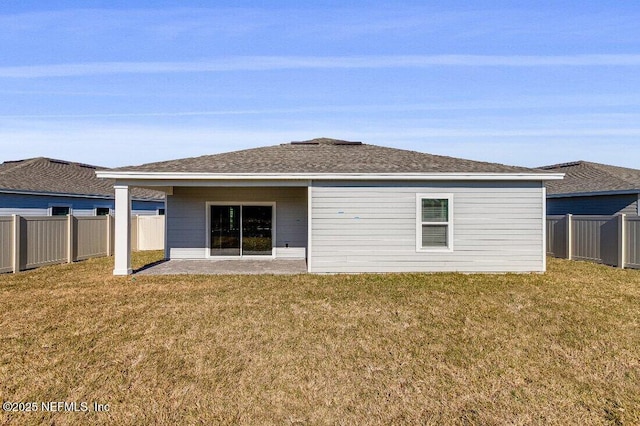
(584, 176)
(326, 156)
(47, 175)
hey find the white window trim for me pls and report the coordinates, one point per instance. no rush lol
(52, 205)
(419, 222)
(208, 204)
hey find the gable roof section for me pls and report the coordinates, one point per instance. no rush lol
(584, 177)
(323, 156)
(57, 177)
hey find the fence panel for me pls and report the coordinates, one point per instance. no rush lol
(91, 236)
(595, 238)
(6, 240)
(556, 236)
(134, 233)
(45, 240)
(633, 242)
(150, 232)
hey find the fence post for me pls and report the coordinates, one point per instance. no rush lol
(109, 244)
(16, 243)
(569, 235)
(622, 239)
(70, 242)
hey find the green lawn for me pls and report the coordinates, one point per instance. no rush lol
(558, 348)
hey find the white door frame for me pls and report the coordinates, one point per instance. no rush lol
(208, 205)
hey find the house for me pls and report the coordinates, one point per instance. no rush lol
(48, 187)
(345, 207)
(593, 189)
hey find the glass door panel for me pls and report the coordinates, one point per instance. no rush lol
(225, 231)
(256, 230)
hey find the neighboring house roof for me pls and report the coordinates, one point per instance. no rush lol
(324, 156)
(586, 178)
(57, 177)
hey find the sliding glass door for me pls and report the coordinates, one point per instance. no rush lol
(256, 230)
(225, 231)
(242, 230)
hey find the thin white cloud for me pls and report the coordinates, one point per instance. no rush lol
(550, 105)
(156, 114)
(104, 144)
(270, 63)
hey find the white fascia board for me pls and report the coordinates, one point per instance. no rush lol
(68, 195)
(172, 176)
(595, 193)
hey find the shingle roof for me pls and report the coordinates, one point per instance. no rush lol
(325, 155)
(48, 175)
(584, 176)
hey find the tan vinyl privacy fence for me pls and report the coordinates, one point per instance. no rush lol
(6, 240)
(149, 232)
(45, 241)
(30, 242)
(612, 240)
(633, 242)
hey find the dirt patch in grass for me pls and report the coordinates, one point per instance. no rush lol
(558, 348)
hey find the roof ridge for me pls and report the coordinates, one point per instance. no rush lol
(567, 164)
(23, 162)
(604, 168)
(590, 177)
(53, 176)
(20, 163)
(325, 156)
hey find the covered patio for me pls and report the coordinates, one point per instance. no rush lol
(226, 267)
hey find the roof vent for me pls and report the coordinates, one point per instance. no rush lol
(59, 162)
(561, 165)
(325, 141)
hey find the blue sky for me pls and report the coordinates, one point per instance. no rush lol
(118, 83)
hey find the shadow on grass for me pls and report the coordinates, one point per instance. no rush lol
(149, 265)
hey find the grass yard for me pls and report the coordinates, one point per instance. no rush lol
(559, 348)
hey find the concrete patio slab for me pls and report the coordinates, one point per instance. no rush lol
(225, 267)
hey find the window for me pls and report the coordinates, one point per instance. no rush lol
(102, 211)
(160, 212)
(60, 210)
(434, 228)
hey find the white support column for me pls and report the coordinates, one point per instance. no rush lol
(166, 225)
(122, 244)
(544, 228)
(309, 220)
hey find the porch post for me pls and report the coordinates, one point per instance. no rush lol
(122, 231)
(309, 227)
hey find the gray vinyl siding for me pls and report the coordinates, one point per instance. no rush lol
(497, 227)
(38, 205)
(186, 216)
(595, 205)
